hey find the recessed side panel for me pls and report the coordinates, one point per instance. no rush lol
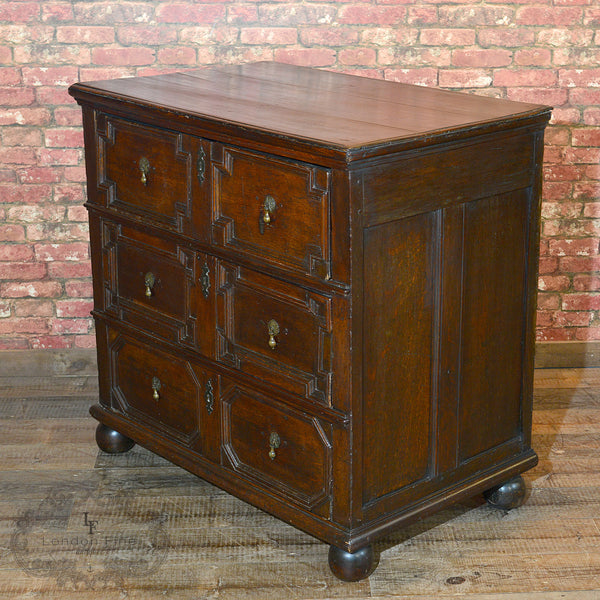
(493, 322)
(398, 318)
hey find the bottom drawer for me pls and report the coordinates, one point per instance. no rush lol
(170, 395)
(278, 448)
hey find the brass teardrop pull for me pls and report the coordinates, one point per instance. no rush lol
(273, 330)
(149, 281)
(274, 443)
(268, 207)
(144, 166)
(156, 385)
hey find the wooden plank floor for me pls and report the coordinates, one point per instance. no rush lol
(159, 532)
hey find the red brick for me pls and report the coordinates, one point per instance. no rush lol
(464, 78)
(85, 341)
(559, 136)
(548, 265)
(25, 194)
(553, 210)
(13, 344)
(586, 283)
(554, 283)
(13, 155)
(95, 73)
(525, 77)
(25, 116)
(582, 155)
(447, 37)
(554, 154)
(588, 301)
(51, 342)
(113, 13)
(39, 175)
(5, 309)
(33, 213)
(201, 36)
(584, 96)
(533, 57)
(357, 56)
(239, 14)
(544, 319)
(70, 270)
(16, 96)
(63, 138)
(589, 333)
(148, 35)
(123, 56)
(548, 301)
(77, 214)
(551, 97)
(53, 12)
(74, 308)
(579, 264)
(51, 76)
(425, 76)
(592, 210)
(505, 38)
(71, 34)
(313, 57)
(32, 289)
(12, 233)
(52, 54)
(190, 13)
(591, 16)
(586, 136)
(269, 35)
(481, 58)
(415, 57)
(33, 308)
(565, 116)
(295, 14)
(466, 15)
(554, 335)
(563, 172)
(75, 251)
(21, 136)
(581, 57)
(15, 252)
(586, 190)
(58, 156)
(79, 289)
(570, 247)
(47, 95)
(19, 12)
(66, 115)
(177, 56)
(25, 325)
(69, 194)
(66, 326)
(572, 319)
(546, 15)
(422, 15)
(386, 36)
(591, 116)
(326, 36)
(10, 75)
(58, 232)
(365, 14)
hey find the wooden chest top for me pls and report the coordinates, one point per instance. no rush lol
(336, 115)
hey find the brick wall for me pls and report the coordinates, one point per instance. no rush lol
(545, 51)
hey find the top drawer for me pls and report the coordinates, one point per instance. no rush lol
(274, 209)
(149, 172)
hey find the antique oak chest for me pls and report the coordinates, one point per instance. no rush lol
(317, 291)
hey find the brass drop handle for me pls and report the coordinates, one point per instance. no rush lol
(274, 443)
(149, 281)
(156, 385)
(273, 330)
(144, 166)
(268, 207)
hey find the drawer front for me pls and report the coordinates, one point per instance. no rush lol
(168, 394)
(272, 209)
(283, 450)
(157, 285)
(275, 331)
(149, 172)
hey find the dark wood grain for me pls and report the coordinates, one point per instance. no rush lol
(345, 264)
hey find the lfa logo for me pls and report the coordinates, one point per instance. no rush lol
(91, 525)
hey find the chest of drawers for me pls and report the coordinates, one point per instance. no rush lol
(316, 291)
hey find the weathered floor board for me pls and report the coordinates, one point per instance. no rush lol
(159, 532)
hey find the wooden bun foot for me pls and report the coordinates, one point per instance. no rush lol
(112, 441)
(351, 566)
(510, 494)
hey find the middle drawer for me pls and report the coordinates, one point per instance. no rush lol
(275, 331)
